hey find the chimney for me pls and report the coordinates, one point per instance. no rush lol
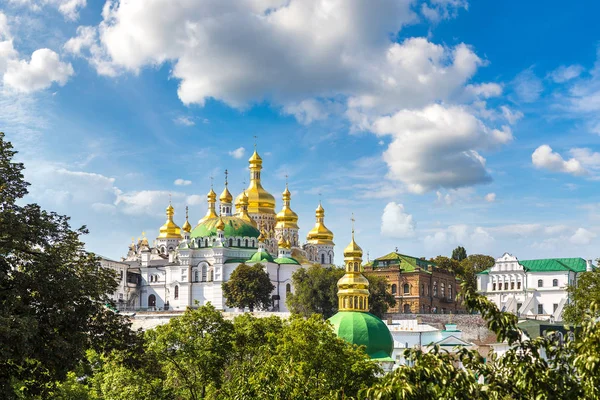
(588, 266)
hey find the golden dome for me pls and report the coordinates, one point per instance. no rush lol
(281, 242)
(319, 234)
(288, 244)
(353, 287)
(226, 196)
(220, 225)
(243, 204)
(211, 195)
(187, 227)
(353, 249)
(170, 230)
(286, 218)
(211, 198)
(259, 200)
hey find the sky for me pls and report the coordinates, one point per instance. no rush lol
(438, 123)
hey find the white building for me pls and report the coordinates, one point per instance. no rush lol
(128, 279)
(187, 266)
(531, 288)
(408, 334)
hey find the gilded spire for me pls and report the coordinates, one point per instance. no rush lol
(226, 197)
(220, 224)
(187, 227)
(353, 287)
(244, 210)
(211, 199)
(320, 234)
(286, 218)
(259, 200)
(170, 230)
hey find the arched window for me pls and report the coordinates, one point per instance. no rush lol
(322, 258)
(422, 289)
(246, 242)
(230, 242)
(450, 292)
(512, 285)
(555, 282)
(205, 242)
(152, 301)
(443, 290)
(406, 288)
(394, 288)
(330, 259)
(203, 269)
(176, 292)
(288, 288)
(493, 286)
(406, 309)
(170, 248)
(540, 283)
(435, 292)
(196, 276)
(239, 243)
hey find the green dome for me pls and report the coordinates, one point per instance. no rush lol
(260, 256)
(286, 260)
(234, 227)
(363, 328)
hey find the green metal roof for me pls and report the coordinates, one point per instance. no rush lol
(554, 264)
(364, 329)
(286, 260)
(235, 261)
(260, 256)
(234, 227)
(407, 263)
(486, 272)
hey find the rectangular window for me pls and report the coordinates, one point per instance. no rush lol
(505, 285)
(512, 286)
(554, 308)
(183, 274)
(540, 308)
(518, 285)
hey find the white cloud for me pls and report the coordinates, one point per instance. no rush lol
(238, 153)
(484, 90)
(182, 182)
(566, 73)
(39, 73)
(586, 157)
(438, 147)
(442, 241)
(582, 237)
(68, 8)
(510, 115)
(195, 200)
(528, 86)
(437, 10)
(184, 120)
(85, 44)
(307, 111)
(490, 197)
(396, 223)
(545, 158)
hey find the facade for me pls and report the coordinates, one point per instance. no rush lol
(186, 267)
(531, 288)
(353, 322)
(128, 279)
(418, 285)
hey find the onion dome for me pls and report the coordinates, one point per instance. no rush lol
(169, 230)
(211, 198)
(281, 242)
(259, 200)
(288, 244)
(232, 227)
(261, 255)
(226, 196)
(187, 227)
(320, 234)
(286, 218)
(244, 209)
(220, 224)
(364, 329)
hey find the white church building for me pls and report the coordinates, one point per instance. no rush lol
(187, 266)
(532, 288)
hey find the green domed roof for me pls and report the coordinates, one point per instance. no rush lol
(234, 227)
(260, 256)
(363, 328)
(286, 260)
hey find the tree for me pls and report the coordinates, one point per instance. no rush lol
(459, 254)
(447, 264)
(248, 286)
(380, 298)
(52, 292)
(585, 292)
(474, 264)
(315, 291)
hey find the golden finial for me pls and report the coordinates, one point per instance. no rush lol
(143, 234)
(255, 139)
(169, 198)
(211, 181)
(226, 173)
(186, 213)
(352, 219)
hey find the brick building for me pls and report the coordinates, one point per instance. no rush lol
(419, 286)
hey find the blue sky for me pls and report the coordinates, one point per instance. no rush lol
(438, 123)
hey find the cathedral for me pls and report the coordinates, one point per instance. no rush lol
(186, 266)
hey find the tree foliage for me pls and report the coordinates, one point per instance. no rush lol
(459, 254)
(472, 265)
(248, 286)
(315, 291)
(380, 297)
(586, 291)
(52, 293)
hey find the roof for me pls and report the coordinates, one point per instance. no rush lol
(235, 261)
(486, 272)
(554, 264)
(364, 329)
(407, 263)
(234, 227)
(286, 260)
(260, 256)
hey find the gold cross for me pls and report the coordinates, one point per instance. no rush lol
(286, 180)
(255, 138)
(186, 213)
(352, 219)
(211, 181)
(226, 173)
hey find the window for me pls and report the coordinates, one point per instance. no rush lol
(512, 286)
(518, 285)
(505, 285)
(322, 258)
(407, 309)
(196, 276)
(540, 308)
(239, 243)
(330, 259)
(435, 289)
(493, 286)
(555, 282)
(230, 242)
(450, 292)
(205, 242)
(246, 242)
(152, 301)
(406, 288)
(176, 292)
(422, 289)
(554, 307)
(288, 288)
(443, 290)
(394, 288)
(540, 283)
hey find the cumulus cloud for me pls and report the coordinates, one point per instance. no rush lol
(40, 72)
(490, 197)
(528, 86)
(443, 240)
(545, 158)
(396, 223)
(437, 10)
(588, 158)
(438, 147)
(68, 8)
(184, 120)
(582, 237)
(238, 153)
(484, 90)
(566, 73)
(182, 182)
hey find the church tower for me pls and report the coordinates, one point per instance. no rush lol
(169, 234)
(211, 199)
(319, 241)
(187, 227)
(287, 220)
(225, 200)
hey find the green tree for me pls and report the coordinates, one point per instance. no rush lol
(472, 265)
(585, 292)
(315, 291)
(248, 286)
(380, 298)
(52, 293)
(459, 254)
